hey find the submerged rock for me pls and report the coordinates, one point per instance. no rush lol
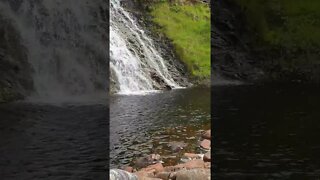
(177, 146)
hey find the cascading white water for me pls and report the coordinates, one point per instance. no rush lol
(133, 56)
(64, 43)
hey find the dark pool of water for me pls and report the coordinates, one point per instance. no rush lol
(39, 141)
(266, 132)
(140, 125)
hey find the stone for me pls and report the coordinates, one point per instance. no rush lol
(116, 174)
(128, 169)
(197, 163)
(207, 157)
(205, 144)
(207, 165)
(163, 175)
(145, 161)
(206, 135)
(192, 155)
(145, 173)
(176, 146)
(157, 167)
(193, 174)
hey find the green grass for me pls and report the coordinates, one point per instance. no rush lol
(188, 26)
(286, 23)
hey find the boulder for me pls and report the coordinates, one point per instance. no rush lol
(116, 174)
(206, 144)
(207, 157)
(128, 169)
(197, 163)
(193, 174)
(157, 167)
(207, 165)
(206, 134)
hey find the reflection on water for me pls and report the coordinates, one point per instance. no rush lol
(53, 142)
(146, 124)
(266, 132)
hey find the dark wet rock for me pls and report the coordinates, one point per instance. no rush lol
(233, 60)
(167, 87)
(207, 134)
(193, 174)
(207, 157)
(15, 71)
(177, 146)
(205, 144)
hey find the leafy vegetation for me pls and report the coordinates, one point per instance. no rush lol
(188, 26)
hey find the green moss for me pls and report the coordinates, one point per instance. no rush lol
(5, 95)
(188, 26)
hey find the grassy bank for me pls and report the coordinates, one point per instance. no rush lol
(289, 28)
(291, 24)
(188, 26)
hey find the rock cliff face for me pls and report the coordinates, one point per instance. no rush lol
(15, 71)
(239, 52)
(231, 57)
(53, 48)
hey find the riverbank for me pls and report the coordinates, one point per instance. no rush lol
(194, 166)
(264, 41)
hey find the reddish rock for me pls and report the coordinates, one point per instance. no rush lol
(207, 157)
(197, 163)
(207, 135)
(128, 169)
(143, 173)
(206, 144)
(207, 165)
(157, 167)
(163, 175)
(192, 155)
(193, 174)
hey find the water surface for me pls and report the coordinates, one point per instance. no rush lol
(43, 141)
(144, 124)
(266, 132)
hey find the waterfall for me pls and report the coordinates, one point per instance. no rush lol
(135, 63)
(64, 42)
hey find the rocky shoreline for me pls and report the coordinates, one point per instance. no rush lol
(193, 166)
